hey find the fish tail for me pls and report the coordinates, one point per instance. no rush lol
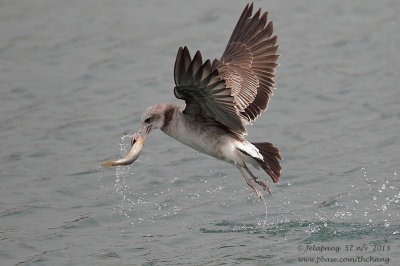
(107, 163)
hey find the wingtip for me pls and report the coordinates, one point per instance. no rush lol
(185, 51)
(198, 56)
(257, 14)
(181, 48)
(250, 6)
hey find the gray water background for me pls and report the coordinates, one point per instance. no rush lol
(75, 77)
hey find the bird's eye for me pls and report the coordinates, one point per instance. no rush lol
(148, 120)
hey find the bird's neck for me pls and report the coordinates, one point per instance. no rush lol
(172, 112)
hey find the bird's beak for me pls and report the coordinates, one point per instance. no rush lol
(143, 132)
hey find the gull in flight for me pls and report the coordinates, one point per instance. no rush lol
(221, 98)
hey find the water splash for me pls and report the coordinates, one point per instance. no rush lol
(121, 186)
(266, 214)
(100, 171)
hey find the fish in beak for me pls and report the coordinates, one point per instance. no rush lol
(152, 118)
(137, 141)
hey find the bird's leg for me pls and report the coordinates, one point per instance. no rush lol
(251, 184)
(260, 182)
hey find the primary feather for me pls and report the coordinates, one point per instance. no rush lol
(235, 89)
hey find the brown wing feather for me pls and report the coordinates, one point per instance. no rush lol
(249, 62)
(205, 93)
(235, 89)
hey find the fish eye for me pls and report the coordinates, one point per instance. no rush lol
(148, 120)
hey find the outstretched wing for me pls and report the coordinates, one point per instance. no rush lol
(235, 89)
(248, 64)
(205, 93)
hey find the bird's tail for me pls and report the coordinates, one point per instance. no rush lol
(270, 162)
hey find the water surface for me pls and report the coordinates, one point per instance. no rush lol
(75, 77)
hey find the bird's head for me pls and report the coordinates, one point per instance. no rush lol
(152, 118)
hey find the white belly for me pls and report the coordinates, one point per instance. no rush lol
(218, 146)
(212, 141)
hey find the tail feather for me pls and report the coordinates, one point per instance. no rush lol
(270, 163)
